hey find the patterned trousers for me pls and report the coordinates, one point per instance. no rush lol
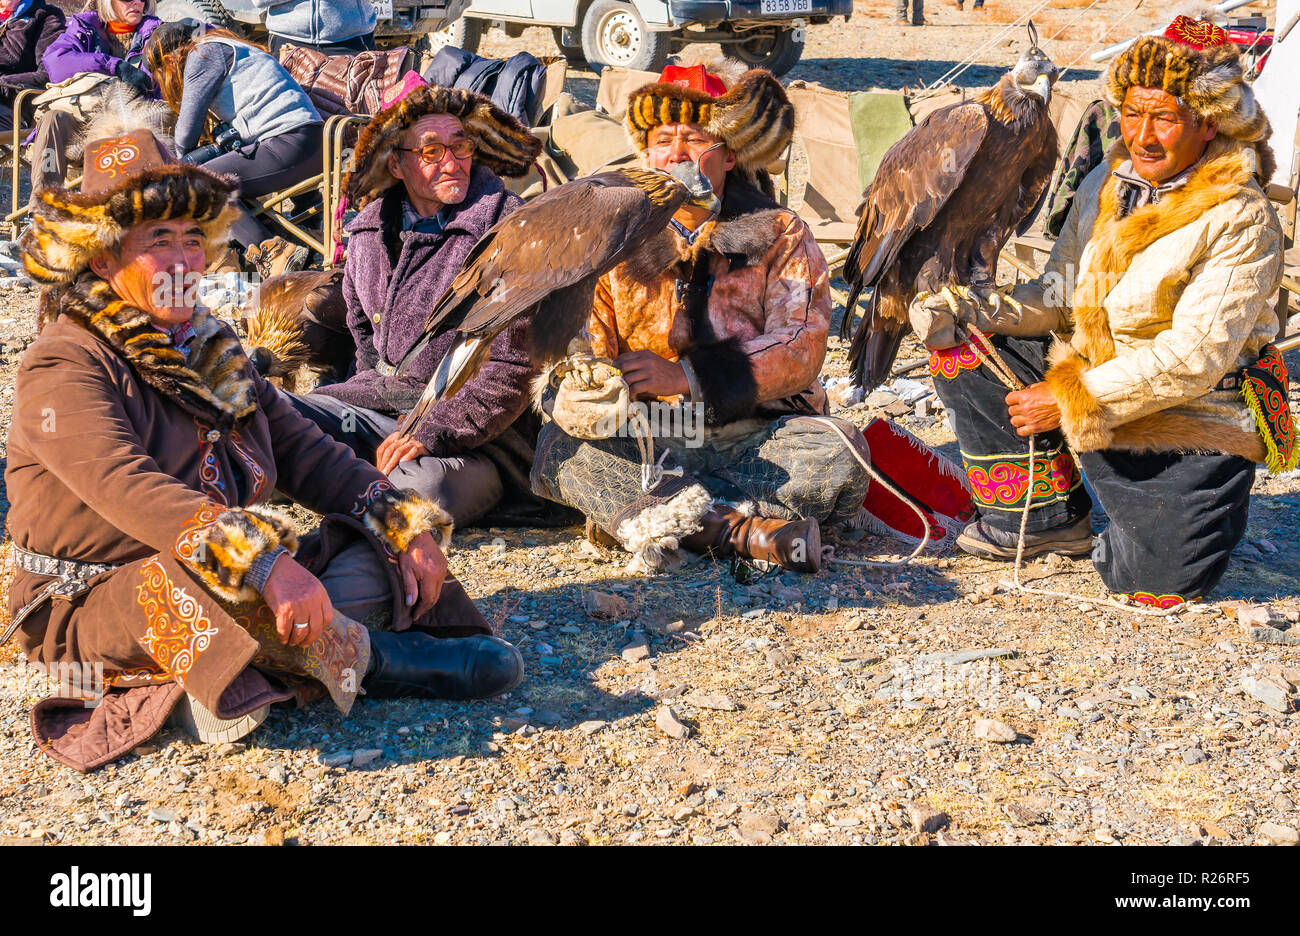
(791, 468)
(1174, 518)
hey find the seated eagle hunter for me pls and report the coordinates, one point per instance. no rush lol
(1168, 388)
(143, 448)
(727, 309)
(427, 186)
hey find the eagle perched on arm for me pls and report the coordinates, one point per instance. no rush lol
(544, 260)
(944, 201)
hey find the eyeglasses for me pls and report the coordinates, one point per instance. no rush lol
(434, 152)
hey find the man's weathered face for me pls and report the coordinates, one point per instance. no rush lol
(157, 268)
(1163, 137)
(444, 181)
(671, 144)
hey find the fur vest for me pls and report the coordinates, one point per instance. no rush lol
(756, 344)
(1167, 301)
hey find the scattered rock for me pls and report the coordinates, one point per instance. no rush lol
(1268, 690)
(787, 595)
(274, 836)
(637, 649)
(1022, 815)
(1276, 834)
(336, 759)
(994, 731)
(278, 774)
(925, 818)
(758, 828)
(162, 815)
(541, 837)
(1249, 616)
(1193, 756)
(958, 657)
(717, 703)
(669, 723)
(591, 727)
(604, 605)
(364, 756)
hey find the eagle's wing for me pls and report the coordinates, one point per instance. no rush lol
(556, 240)
(916, 178)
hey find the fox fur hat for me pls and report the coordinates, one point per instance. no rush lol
(504, 144)
(131, 176)
(747, 110)
(1209, 81)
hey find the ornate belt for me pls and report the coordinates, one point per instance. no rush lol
(70, 581)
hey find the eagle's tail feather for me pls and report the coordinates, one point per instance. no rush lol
(455, 370)
(875, 345)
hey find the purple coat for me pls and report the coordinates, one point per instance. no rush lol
(391, 280)
(83, 47)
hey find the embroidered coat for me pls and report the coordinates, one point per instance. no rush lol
(757, 345)
(124, 451)
(1166, 301)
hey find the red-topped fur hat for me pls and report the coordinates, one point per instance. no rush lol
(747, 110)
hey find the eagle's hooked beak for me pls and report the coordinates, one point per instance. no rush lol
(1042, 86)
(696, 183)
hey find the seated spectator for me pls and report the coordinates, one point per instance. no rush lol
(426, 180)
(27, 27)
(143, 541)
(331, 27)
(108, 40)
(216, 82)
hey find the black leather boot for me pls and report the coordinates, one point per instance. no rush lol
(414, 664)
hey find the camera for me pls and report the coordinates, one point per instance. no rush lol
(225, 139)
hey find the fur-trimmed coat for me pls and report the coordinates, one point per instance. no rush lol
(123, 451)
(759, 346)
(1166, 301)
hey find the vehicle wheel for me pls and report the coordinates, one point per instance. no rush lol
(465, 34)
(572, 53)
(613, 33)
(777, 50)
(204, 11)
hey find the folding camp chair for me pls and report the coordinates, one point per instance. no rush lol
(18, 207)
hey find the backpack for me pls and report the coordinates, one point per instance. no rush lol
(515, 84)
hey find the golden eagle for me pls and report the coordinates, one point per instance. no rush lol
(547, 256)
(944, 201)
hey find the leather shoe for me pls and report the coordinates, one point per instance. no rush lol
(413, 663)
(792, 544)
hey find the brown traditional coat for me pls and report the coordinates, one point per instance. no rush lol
(123, 451)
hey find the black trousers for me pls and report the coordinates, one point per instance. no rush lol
(268, 166)
(1174, 518)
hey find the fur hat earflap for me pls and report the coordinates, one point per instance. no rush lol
(1209, 81)
(130, 177)
(753, 115)
(504, 144)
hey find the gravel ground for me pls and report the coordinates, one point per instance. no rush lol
(837, 708)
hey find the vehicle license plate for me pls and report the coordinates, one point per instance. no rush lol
(384, 8)
(778, 7)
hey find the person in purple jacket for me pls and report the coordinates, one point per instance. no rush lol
(108, 40)
(27, 27)
(426, 180)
